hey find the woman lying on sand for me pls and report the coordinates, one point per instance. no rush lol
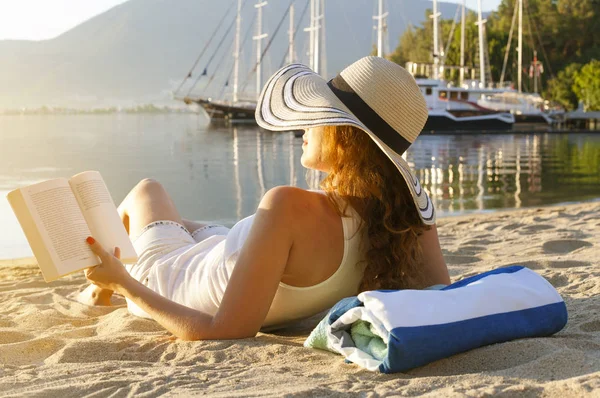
(372, 226)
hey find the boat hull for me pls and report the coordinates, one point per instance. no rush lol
(224, 113)
(538, 118)
(446, 121)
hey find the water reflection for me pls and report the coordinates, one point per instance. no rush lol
(238, 185)
(462, 173)
(221, 173)
(506, 171)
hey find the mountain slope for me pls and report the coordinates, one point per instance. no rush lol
(140, 50)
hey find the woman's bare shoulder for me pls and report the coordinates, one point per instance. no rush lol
(317, 234)
(300, 204)
(286, 195)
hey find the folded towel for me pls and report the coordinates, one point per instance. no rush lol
(397, 330)
(318, 338)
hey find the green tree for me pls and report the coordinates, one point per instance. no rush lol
(562, 32)
(416, 43)
(415, 46)
(560, 88)
(587, 85)
(373, 50)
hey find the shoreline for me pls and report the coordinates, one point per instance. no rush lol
(474, 213)
(468, 214)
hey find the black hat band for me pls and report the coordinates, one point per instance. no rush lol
(368, 116)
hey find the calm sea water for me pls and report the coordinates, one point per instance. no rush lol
(221, 173)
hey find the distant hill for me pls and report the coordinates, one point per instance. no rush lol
(140, 50)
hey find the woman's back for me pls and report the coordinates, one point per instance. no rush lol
(321, 267)
(325, 264)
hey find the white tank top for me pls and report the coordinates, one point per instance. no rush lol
(197, 276)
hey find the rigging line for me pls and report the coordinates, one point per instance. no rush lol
(323, 33)
(217, 67)
(541, 44)
(387, 49)
(225, 85)
(450, 37)
(512, 26)
(374, 26)
(407, 23)
(215, 53)
(262, 55)
(205, 47)
(531, 43)
(246, 37)
(295, 32)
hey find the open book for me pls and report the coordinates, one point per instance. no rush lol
(57, 215)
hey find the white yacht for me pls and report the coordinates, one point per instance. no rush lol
(457, 108)
(527, 108)
(476, 104)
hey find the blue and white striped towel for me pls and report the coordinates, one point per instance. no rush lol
(415, 327)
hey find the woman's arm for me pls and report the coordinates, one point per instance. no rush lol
(111, 274)
(178, 319)
(436, 270)
(252, 285)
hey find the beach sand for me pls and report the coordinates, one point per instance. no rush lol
(53, 346)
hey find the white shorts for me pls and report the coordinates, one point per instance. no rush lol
(162, 241)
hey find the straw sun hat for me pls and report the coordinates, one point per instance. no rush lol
(374, 94)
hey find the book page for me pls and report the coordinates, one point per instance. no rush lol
(101, 214)
(61, 226)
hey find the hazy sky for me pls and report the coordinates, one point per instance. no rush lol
(45, 19)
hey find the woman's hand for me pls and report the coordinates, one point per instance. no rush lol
(110, 274)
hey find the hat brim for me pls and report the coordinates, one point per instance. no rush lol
(297, 98)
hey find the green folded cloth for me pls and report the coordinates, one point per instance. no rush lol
(318, 337)
(367, 341)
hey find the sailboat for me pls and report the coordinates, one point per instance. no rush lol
(456, 108)
(477, 97)
(240, 110)
(236, 110)
(528, 108)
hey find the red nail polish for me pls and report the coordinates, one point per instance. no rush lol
(90, 240)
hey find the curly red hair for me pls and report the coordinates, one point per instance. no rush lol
(362, 175)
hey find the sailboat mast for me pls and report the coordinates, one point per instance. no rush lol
(236, 53)
(259, 36)
(520, 50)
(380, 30)
(480, 23)
(462, 44)
(535, 72)
(317, 35)
(322, 41)
(436, 59)
(291, 35)
(311, 33)
(381, 26)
